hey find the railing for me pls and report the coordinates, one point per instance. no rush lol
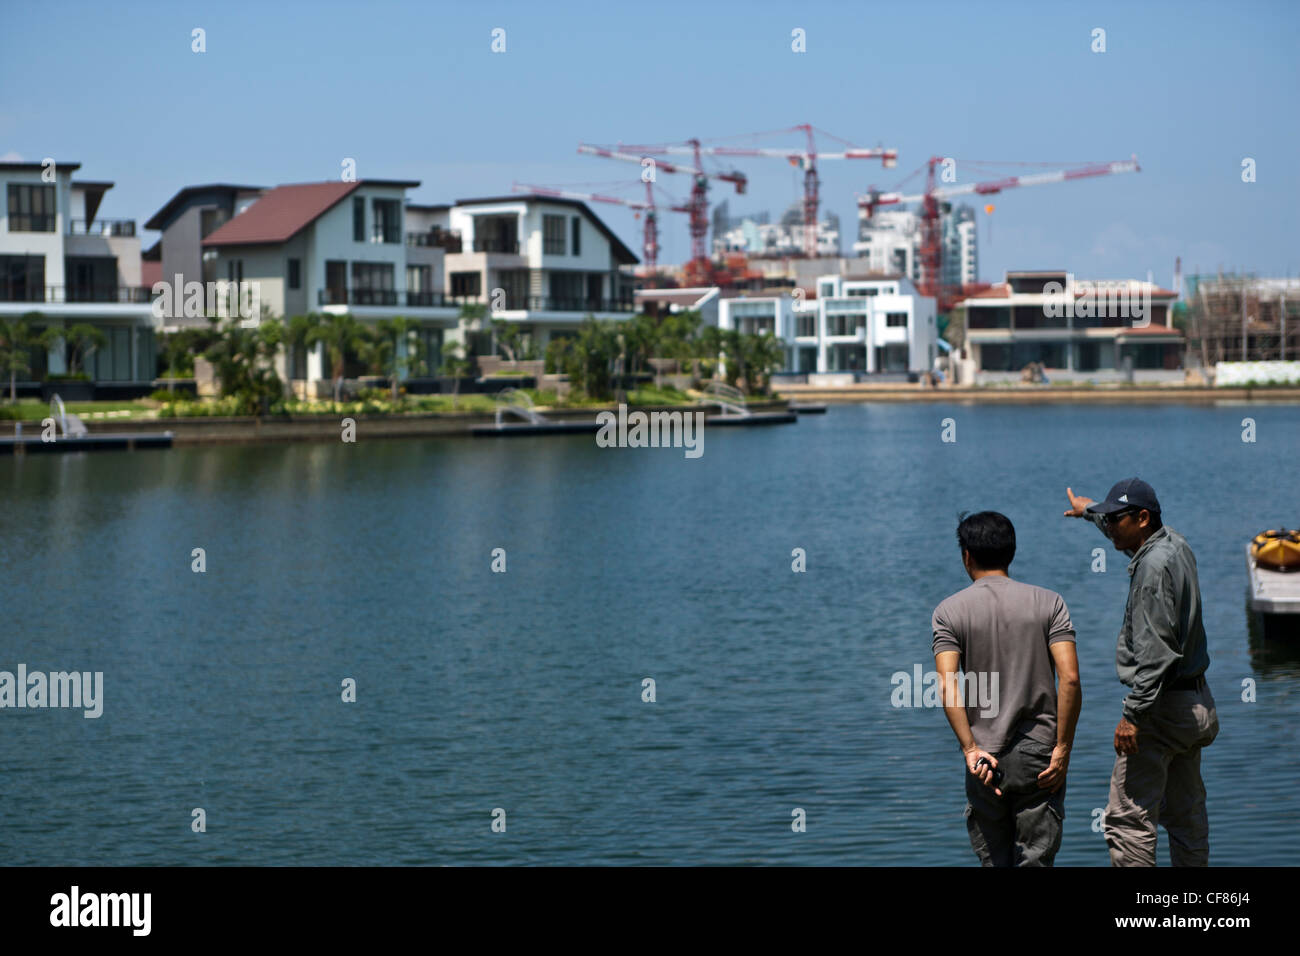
(496, 245)
(436, 239)
(427, 300)
(553, 304)
(435, 300)
(102, 227)
(21, 292)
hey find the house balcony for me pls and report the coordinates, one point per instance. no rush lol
(102, 227)
(59, 294)
(392, 297)
(435, 239)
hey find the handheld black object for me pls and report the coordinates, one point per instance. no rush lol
(997, 772)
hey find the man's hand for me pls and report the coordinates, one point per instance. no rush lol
(985, 773)
(1126, 737)
(1078, 504)
(1053, 778)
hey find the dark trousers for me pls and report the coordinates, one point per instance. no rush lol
(1023, 826)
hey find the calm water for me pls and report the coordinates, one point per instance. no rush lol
(523, 690)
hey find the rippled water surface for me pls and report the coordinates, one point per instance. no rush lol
(523, 690)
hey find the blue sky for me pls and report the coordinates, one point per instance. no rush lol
(287, 90)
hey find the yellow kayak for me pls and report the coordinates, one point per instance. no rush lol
(1277, 550)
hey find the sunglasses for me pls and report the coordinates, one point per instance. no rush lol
(1114, 519)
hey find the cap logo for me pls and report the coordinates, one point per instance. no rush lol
(1124, 498)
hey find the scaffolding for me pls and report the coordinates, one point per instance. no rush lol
(1242, 318)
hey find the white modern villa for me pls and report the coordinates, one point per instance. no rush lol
(850, 326)
(61, 266)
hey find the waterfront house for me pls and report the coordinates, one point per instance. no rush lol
(362, 248)
(542, 262)
(61, 260)
(1076, 329)
(847, 327)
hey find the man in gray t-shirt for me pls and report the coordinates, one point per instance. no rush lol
(999, 646)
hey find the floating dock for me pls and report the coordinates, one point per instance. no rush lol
(121, 441)
(808, 408)
(753, 418)
(535, 428)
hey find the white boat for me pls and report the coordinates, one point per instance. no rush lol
(1274, 594)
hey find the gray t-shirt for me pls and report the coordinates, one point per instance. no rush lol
(1002, 629)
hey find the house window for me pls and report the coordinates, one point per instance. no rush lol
(372, 283)
(553, 235)
(358, 219)
(496, 234)
(896, 320)
(210, 220)
(577, 236)
(295, 273)
(31, 208)
(466, 283)
(336, 283)
(387, 226)
(22, 278)
(235, 270)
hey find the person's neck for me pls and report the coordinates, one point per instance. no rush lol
(976, 574)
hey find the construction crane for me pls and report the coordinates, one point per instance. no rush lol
(699, 267)
(650, 235)
(806, 158)
(931, 282)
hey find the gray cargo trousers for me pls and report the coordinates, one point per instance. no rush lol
(1161, 783)
(1023, 826)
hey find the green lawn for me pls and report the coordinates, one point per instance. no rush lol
(35, 410)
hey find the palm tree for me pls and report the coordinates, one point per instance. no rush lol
(455, 364)
(82, 340)
(395, 362)
(16, 338)
(342, 335)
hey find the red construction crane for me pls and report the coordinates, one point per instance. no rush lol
(699, 266)
(807, 158)
(931, 282)
(650, 240)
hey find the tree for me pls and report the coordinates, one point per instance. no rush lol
(455, 364)
(81, 340)
(244, 361)
(384, 353)
(179, 349)
(590, 362)
(16, 338)
(342, 335)
(508, 336)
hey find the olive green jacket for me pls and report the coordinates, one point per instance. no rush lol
(1162, 639)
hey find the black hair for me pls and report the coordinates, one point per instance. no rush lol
(989, 537)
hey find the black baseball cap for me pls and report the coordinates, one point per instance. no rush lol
(1129, 493)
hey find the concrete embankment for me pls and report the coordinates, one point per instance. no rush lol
(1033, 395)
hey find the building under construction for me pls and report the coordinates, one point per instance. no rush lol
(1242, 318)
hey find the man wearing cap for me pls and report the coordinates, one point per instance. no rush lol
(1161, 655)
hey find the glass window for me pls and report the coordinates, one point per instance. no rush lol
(387, 226)
(553, 235)
(31, 207)
(295, 273)
(358, 219)
(577, 236)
